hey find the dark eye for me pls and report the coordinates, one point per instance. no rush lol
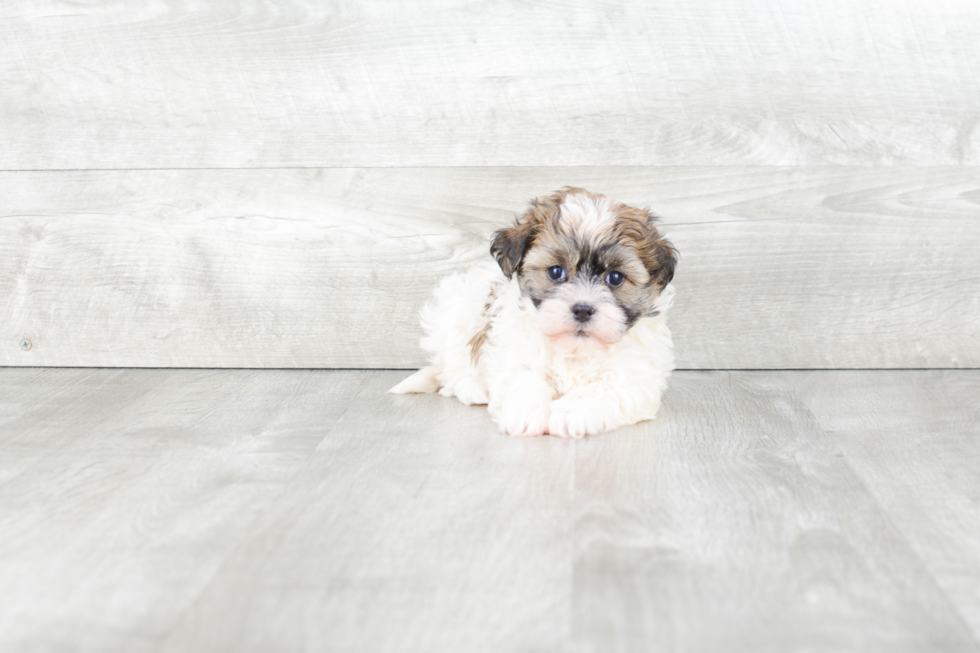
(615, 278)
(556, 273)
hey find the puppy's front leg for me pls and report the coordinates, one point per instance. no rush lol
(601, 406)
(523, 407)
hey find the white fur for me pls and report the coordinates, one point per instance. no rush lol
(587, 214)
(567, 386)
(557, 323)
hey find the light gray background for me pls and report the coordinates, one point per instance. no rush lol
(279, 184)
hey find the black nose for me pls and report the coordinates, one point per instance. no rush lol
(582, 312)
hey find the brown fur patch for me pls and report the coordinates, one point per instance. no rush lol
(479, 338)
(510, 245)
(477, 342)
(656, 253)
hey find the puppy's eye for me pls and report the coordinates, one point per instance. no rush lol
(615, 278)
(556, 273)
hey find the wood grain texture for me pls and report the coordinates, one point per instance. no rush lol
(415, 526)
(190, 510)
(111, 84)
(780, 267)
(915, 442)
(123, 491)
(735, 524)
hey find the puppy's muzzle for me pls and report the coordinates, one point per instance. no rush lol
(583, 312)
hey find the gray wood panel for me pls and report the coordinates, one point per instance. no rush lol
(123, 491)
(105, 84)
(259, 510)
(915, 442)
(415, 526)
(780, 267)
(733, 523)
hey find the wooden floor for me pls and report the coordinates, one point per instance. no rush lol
(245, 510)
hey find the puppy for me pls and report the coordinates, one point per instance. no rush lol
(565, 335)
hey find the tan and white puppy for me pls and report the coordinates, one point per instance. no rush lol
(566, 333)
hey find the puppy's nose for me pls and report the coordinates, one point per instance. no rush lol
(582, 312)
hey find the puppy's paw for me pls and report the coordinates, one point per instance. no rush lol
(523, 416)
(471, 391)
(577, 417)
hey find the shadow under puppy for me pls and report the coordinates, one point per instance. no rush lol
(568, 335)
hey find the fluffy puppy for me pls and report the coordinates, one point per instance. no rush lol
(566, 333)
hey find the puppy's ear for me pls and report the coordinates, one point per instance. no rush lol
(666, 258)
(661, 256)
(509, 245)
(658, 255)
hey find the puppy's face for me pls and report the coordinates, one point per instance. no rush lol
(588, 267)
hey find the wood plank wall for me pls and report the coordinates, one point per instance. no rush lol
(279, 184)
